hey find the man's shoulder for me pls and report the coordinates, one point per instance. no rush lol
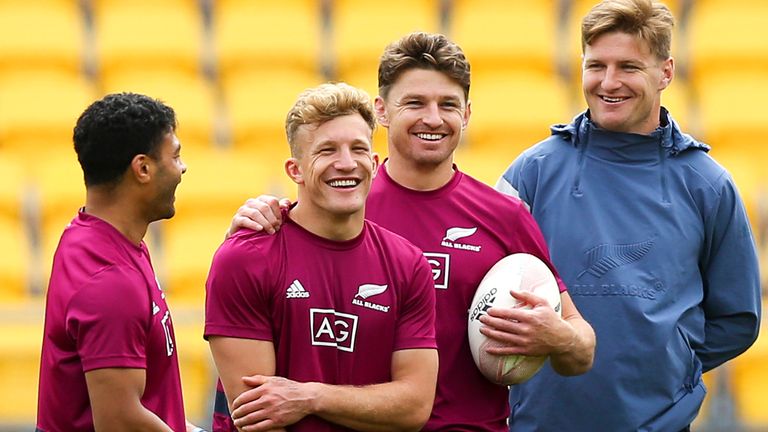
(244, 247)
(389, 240)
(480, 197)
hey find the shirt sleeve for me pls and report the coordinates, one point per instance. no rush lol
(730, 272)
(529, 239)
(236, 304)
(109, 320)
(416, 323)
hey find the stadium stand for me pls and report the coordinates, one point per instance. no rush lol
(266, 53)
(15, 266)
(43, 34)
(22, 328)
(359, 31)
(147, 35)
(232, 68)
(512, 47)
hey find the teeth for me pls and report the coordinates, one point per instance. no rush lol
(343, 183)
(429, 136)
(612, 99)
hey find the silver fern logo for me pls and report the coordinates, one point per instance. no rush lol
(454, 234)
(365, 291)
(368, 290)
(457, 233)
(603, 258)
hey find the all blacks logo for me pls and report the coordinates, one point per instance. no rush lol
(485, 303)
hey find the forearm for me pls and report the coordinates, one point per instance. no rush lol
(130, 419)
(577, 357)
(393, 406)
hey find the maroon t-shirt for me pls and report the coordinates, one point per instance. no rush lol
(463, 228)
(104, 309)
(335, 311)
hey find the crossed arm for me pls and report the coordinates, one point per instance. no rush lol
(260, 401)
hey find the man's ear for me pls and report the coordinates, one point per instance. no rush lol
(467, 114)
(141, 168)
(381, 111)
(375, 161)
(667, 73)
(293, 170)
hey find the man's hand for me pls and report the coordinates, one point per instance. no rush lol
(259, 214)
(533, 331)
(273, 402)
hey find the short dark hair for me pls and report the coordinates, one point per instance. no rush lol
(116, 128)
(421, 50)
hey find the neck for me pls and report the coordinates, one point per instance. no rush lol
(420, 177)
(336, 227)
(122, 214)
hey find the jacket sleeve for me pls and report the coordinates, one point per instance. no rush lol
(730, 273)
(510, 182)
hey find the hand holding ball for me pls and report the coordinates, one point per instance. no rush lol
(516, 272)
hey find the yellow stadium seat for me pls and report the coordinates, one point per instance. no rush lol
(39, 110)
(22, 328)
(513, 110)
(731, 112)
(215, 185)
(257, 101)
(41, 35)
(506, 34)
(360, 30)
(727, 36)
(750, 378)
(198, 372)
(250, 35)
(148, 35)
(15, 265)
(190, 95)
(15, 242)
(484, 164)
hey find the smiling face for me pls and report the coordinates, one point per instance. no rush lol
(622, 82)
(425, 112)
(169, 168)
(334, 167)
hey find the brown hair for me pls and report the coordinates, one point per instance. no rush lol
(325, 102)
(649, 20)
(423, 51)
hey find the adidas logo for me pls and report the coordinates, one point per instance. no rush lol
(296, 290)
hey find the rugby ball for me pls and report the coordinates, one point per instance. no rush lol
(518, 272)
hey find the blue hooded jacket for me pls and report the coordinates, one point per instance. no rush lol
(652, 239)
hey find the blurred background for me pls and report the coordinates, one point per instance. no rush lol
(232, 68)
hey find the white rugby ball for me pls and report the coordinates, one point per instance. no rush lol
(518, 272)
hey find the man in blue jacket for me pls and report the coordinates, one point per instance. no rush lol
(647, 231)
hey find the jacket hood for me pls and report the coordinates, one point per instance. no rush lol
(672, 138)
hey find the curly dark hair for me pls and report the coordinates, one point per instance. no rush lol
(116, 128)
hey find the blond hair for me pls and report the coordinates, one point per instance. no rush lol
(649, 20)
(325, 102)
